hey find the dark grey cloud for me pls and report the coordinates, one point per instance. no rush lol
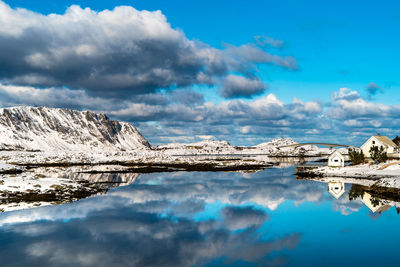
(246, 57)
(53, 97)
(373, 89)
(263, 40)
(114, 53)
(187, 97)
(238, 86)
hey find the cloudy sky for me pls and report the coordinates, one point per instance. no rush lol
(234, 70)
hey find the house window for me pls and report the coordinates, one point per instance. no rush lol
(373, 142)
(336, 160)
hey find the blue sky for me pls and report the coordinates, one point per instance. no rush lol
(334, 45)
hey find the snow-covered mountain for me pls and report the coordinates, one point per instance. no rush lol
(279, 146)
(275, 147)
(54, 129)
(202, 147)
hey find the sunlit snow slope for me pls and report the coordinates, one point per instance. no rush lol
(53, 129)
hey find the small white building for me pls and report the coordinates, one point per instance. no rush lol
(380, 141)
(336, 189)
(336, 159)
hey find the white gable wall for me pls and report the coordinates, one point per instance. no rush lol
(372, 141)
(336, 160)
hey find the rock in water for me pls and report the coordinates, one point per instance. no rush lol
(55, 129)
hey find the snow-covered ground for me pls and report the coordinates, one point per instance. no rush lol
(24, 183)
(7, 168)
(389, 169)
(219, 153)
(393, 182)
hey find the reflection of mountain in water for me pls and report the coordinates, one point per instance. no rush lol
(49, 186)
(108, 180)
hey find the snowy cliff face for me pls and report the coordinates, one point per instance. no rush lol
(51, 129)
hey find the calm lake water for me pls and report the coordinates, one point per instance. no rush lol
(266, 218)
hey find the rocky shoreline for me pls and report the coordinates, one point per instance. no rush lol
(28, 185)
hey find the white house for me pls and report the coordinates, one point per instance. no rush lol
(336, 159)
(336, 189)
(378, 140)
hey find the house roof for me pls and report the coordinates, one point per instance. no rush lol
(337, 153)
(385, 140)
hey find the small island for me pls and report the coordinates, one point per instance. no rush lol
(376, 159)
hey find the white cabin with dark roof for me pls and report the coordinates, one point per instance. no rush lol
(336, 159)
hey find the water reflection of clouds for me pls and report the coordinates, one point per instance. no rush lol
(176, 219)
(345, 205)
(124, 236)
(148, 223)
(236, 218)
(262, 189)
(185, 194)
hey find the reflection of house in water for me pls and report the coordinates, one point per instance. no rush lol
(374, 204)
(336, 189)
(377, 198)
